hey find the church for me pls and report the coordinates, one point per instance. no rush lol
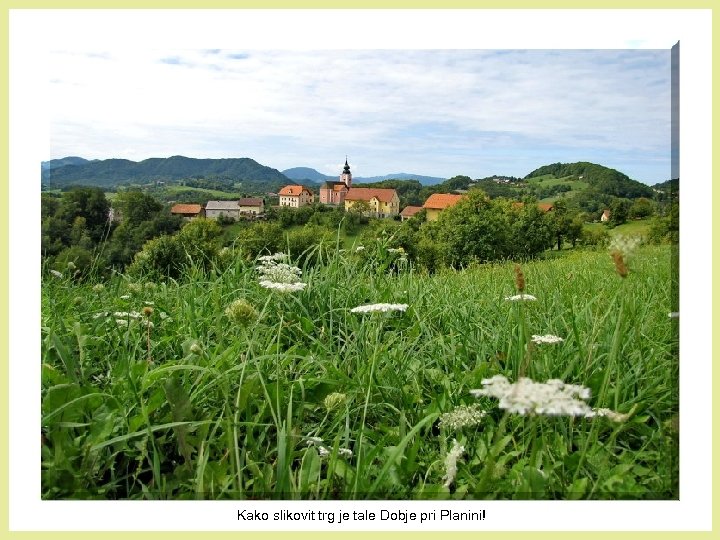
(335, 192)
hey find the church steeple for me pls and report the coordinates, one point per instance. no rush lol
(346, 176)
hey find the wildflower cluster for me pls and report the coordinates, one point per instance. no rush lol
(552, 398)
(547, 338)
(334, 400)
(279, 276)
(451, 462)
(462, 416)
(520, 298)
(324, 451)
(383, 308)
(241, 312)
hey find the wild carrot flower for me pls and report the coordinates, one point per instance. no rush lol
(312, 441)
(551, 398)
(323, 451)
(345, 452)
(125, 297)
(150, 286)
(274, 257)
(359, 248)
(548, 338)
(451, 462)
(134, 288)
(374, 308)
(520, 297)
(334, 400)
(283, 287)
(462, 416)
(127, 314)
(98, 287)
(56, 274)
(241, 312)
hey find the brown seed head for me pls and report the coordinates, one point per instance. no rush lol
(147, 311)
(519, 279)
(620, 266)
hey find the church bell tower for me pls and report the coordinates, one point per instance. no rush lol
(346, 176)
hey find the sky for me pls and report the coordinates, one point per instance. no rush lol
(430, 112)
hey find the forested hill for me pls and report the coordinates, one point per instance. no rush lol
(113, 172)
(601, 179)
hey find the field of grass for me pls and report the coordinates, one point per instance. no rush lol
(295, 396)
(635, 227)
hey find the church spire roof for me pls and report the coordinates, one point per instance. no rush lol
(346, 169)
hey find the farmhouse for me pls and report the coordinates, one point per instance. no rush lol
(335, 192)
(605, 216)
(437, 202)
(409, 211)
(188, 211)
(251, 206)
(295, 196)
(382, 202)
(234, 209)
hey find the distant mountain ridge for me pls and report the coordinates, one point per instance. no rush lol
(309, 174)
(70, 160)
(112, 172)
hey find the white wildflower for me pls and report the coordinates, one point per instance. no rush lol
(323, 451)
(71, 265)
(614, 415)
(195, 348)
(384, 308)
(98, 287)
(163, 315)
(551, 398)
(149, 303)
(451, 462)
(547, 338)
(273, 257)
(122, 322)
(345, 452)
(359, 248)
(312, 441)
(101, 314)
(462, 416)
(283, 287)
(674, 314)
(126, 314)
(334, 400)
(56, 273)
(519, 297)
(396, 250)
(125, 296)
(135, 288)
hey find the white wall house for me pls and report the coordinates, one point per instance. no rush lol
(295, 196)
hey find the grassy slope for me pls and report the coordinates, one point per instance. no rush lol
(223, 410)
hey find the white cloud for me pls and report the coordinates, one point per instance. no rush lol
(286, 107)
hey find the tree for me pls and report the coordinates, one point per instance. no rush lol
(560, 220)
(641, 208)
(619, 210)
(134, 206)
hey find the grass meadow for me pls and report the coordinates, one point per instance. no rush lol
(213, 387)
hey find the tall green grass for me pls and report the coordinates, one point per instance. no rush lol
(200, 406)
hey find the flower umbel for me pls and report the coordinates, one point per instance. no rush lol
(521, 297)
(451, 462)
(383, 308)
(551, 398)
(462, 416)
(241, 312)
(547, 338)
(281, 277)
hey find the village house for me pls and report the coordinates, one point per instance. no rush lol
(295, 196)
(409, 211)
(216, 209)
(188, 211)
(253, 206)
(382, 202)
(437, 202)
(335, 192)
(605, 216)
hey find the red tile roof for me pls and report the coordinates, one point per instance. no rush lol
(545, 207)
(410, 211)
(293, 191)
(186, 209)
(440, 201)
(365, 194)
